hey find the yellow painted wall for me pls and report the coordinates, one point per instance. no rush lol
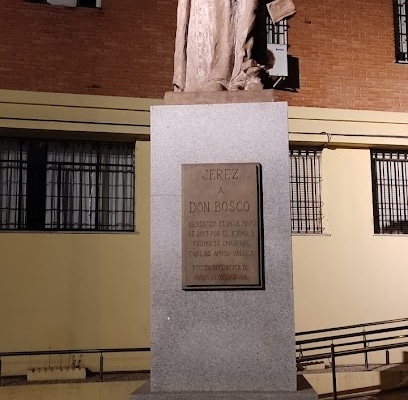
(77, 290)
(62, 290)
(349, 275)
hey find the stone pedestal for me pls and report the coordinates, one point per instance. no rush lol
(236, 344)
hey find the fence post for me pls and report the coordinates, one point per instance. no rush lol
(365, 353)
(101, 368)
(387, 357)
(333, 365)
(0, 371)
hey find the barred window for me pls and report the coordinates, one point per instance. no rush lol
(401, 32)
(70, 3)
(305, 198)
(276, 33)
(66, 185)
(390, 191)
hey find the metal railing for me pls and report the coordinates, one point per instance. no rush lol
(101, 352)
(311, 346)
(350, 340)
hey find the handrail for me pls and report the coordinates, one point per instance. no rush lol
(101, 352)
(355, 351)
(350, 335)
(357, 342)
(301, 345)
(338, 328)
(325, 343)
(73, 351)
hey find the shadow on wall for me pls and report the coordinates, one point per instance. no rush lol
(292, 81)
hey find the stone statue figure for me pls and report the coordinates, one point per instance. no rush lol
(221, 44)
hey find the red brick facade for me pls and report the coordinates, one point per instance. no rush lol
(345, 48)
(123, 49)
(346, 54)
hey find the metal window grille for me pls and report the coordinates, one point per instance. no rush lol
(87, 3)
(390, 191)
(305, 197)
(401, 32)
(65, 185)
(276, 33)
(13, 183)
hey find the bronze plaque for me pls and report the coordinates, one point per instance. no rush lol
(222, 240)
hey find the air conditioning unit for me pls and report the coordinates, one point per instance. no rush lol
(65, 3)
(280, 56)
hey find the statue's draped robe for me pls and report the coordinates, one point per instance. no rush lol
(213, 40)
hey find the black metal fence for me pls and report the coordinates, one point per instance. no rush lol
(350, 340)
(101, 352)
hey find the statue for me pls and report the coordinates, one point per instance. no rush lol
(221, 44)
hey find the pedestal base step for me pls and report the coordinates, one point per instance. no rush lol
(144, 393)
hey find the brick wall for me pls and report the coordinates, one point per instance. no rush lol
(347, 56)
(345, 50)
(123, 49)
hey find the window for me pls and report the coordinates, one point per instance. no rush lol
(305, 198)
(66, 185)
(88, 3)
(390, 191)
(276, 33)
(401, 33)
(70, 3)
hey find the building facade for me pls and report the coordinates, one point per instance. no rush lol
(88, 74)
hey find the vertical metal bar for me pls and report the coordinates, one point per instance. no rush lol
(97, 169)
(59, 183)
(381, 190)
(396, 210)
(389, 191)
(20, 186)
(305, 189)
(319, 193)
(133, 185)
(365, 353)
(292, 191)
(404, 30)
(333, 365)
(403, 184)
(387, 357)
(101, 368)
(311, 180)
(374, 183)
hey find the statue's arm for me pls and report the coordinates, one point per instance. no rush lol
(180, 57)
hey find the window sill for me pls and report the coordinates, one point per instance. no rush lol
(391, 234)
(310, 234)
(72, 232)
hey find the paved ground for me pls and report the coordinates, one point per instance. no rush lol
(90, 377)
(399, 394)
(14, 388)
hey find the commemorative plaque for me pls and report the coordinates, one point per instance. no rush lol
(222, 235)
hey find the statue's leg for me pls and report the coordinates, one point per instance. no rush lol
(180, 56)
(222, 45)
(246, 14)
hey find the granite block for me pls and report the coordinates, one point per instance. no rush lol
(304, 392)
(237, 96)
(221, 341)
